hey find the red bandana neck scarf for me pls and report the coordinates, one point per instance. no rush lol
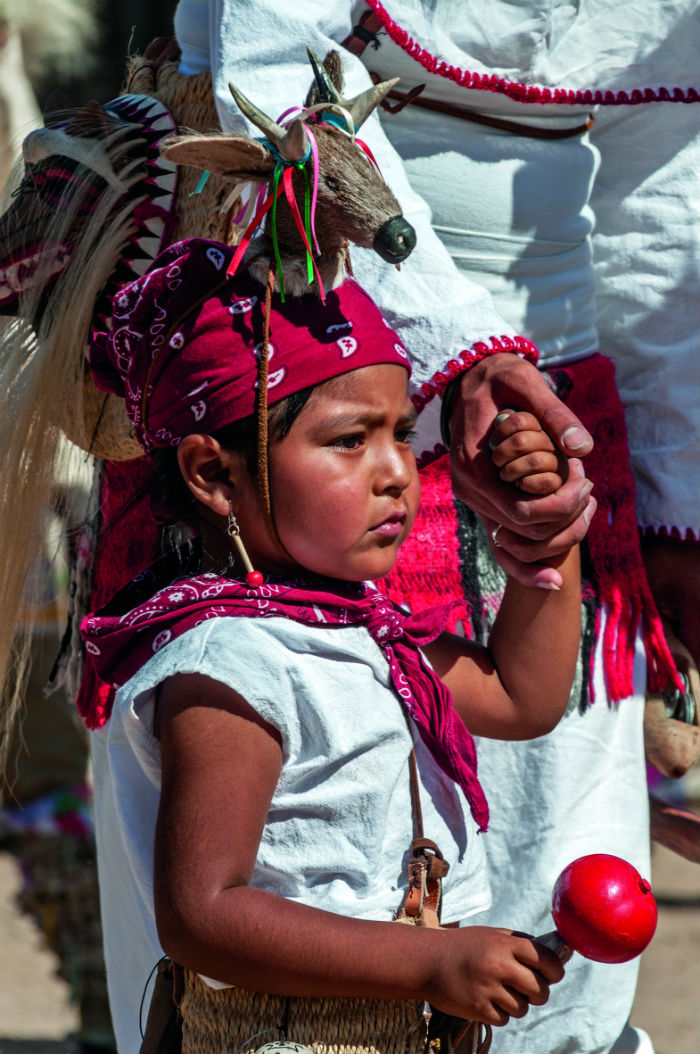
(157, 607)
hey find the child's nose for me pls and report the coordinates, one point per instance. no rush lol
(396, 469)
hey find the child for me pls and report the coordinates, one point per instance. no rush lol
(253, 792)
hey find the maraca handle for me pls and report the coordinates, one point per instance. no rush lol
(556, 943)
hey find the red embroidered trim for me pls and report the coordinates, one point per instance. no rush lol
(429, 456)
(468, 358)
(681, 534)
(526, 93)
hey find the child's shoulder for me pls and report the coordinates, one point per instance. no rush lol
(304, 680)
(225, 647)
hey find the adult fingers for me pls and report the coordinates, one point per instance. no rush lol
(542, 518)
(532, 550)
(526, 560)
(532, 517)
(508, 381)
(561, 425)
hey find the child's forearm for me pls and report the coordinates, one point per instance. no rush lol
(534, 645)
(260, 941)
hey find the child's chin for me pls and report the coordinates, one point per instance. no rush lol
(371, 571)
(380, 569)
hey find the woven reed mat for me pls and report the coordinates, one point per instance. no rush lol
(232, 1020)
(190, 101)
(107, 432)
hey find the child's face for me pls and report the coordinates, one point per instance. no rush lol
(344, 482)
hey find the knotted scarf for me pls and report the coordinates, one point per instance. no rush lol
(158, 607)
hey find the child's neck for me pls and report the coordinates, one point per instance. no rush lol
(220, 557)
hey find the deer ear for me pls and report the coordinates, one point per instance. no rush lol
(224, 155)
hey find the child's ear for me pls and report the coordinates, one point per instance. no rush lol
(210, 471)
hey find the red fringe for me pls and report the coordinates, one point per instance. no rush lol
(428, 572)
(613, 537)
(525, 93)
(126, 546)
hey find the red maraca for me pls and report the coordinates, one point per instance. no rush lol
(603, 909)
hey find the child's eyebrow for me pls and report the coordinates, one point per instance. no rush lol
(353, 420)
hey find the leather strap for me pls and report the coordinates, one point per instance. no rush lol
(426, 868)
(363, 34)
(529, 131)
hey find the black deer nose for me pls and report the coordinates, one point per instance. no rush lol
(395, 240)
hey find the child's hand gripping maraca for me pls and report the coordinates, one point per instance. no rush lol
(603, 909)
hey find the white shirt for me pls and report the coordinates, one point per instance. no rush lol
(340, 821)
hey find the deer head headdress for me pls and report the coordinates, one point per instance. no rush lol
(325, 188)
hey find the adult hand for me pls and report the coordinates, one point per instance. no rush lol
(531, 530)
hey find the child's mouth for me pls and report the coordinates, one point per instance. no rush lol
(391, 527)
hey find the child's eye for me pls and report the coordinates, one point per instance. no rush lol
(351, 442)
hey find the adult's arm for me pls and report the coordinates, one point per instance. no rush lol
(442, 316)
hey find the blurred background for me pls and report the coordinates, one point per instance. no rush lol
(80, 46)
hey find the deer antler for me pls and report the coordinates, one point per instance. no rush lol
(362, 105)
(291, 143)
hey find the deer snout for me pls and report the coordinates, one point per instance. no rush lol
(395, 240)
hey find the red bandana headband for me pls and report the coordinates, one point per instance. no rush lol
(184, 348)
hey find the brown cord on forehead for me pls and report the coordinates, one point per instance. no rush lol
(261, 413)
(263, 481)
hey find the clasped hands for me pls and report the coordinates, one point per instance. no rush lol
(536, 515)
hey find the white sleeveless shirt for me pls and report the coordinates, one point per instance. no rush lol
(340, 820)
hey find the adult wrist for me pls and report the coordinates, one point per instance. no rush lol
(459, 369)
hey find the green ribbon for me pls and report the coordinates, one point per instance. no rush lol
(307, 224)
(279, 169)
